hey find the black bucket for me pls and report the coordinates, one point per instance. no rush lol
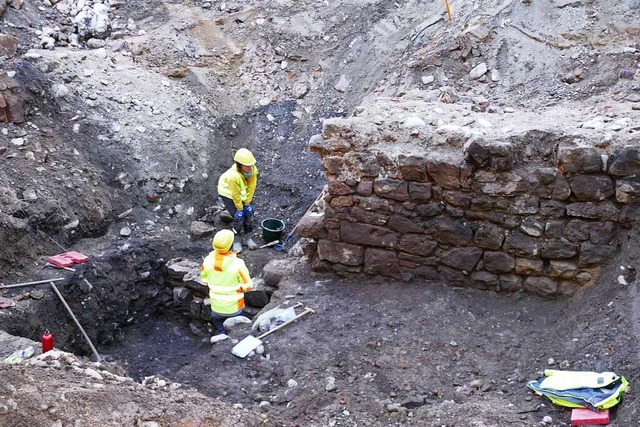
(272, 229)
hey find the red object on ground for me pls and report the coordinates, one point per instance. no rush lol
(60, 261)
(76, 257)
(583, 417)
(47, 341)
(67, 259)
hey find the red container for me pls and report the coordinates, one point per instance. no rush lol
(47, 341)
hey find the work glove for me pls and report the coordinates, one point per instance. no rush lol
(238, 216)
(248, 210)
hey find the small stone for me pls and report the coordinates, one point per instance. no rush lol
(18, 142)
(478, 71)
(218, 338)
(413, 122)
(264, 102)
(264, 406)
(453, 344)
(343, 84)
(547, 419)
(551, 361)
(427, 79)
(125, 232)
(292, 383)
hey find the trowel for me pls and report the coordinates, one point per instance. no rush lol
(250, 343)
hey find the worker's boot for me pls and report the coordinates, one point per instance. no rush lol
(250, 243)
(237, 244)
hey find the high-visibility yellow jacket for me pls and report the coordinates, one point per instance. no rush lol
(234, 186)
(228, 279)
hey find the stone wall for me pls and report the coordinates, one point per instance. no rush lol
(536, 212)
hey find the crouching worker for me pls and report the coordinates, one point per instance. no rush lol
(228, 279)
(236, 188)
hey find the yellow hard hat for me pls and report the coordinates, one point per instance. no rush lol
(244, 157)
(223, 240)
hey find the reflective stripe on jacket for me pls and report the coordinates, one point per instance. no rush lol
(228, 278)
(233, 186)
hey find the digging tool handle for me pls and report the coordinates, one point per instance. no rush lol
(86, 337)
(306, 311)
(39, 282)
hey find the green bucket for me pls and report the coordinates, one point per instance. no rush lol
(272, 229)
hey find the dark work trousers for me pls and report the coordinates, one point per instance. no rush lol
(245, 224)
(218, 321)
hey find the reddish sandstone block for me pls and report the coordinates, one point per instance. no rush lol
(582, 417)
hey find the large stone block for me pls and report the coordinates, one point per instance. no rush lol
(368, 235)
(427, 272)
(626, 162)
(602, 233)
(484, 280)
(339, 188)
(375, 218)
(595, 255)
(558, 249)
(14, 108)
(381, 262)
(605, 211)
(458, 198)
(544, 286)
(417, 244)
(446, 173)
(365, 163)
(576, 230)
(554, 228)
(391, 189)
(529, 267)
(276, 270)
(561, 189)
(373, 204)
(462, 258)
(507, 184)
(510, 282)
(412, 167)
(627, 191)
(592, 188)
(341, 202)
(402, 224)
(519, 244)
(495, 155)
(525, 205)
(452, 276)
(8, 45)
(449, 232)
(341, 253)
(333, 164)
(498, 262)
(579, 160)
(312, 225)
(552, 209)
(563, 269)
(489, 236)
(430, 210)
(532, 227)
(420, 191)
(568, 288)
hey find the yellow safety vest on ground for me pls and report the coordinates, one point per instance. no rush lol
(228, 279)
(235, 187)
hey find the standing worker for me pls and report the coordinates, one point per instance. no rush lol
(236, 188)
(228, 279)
